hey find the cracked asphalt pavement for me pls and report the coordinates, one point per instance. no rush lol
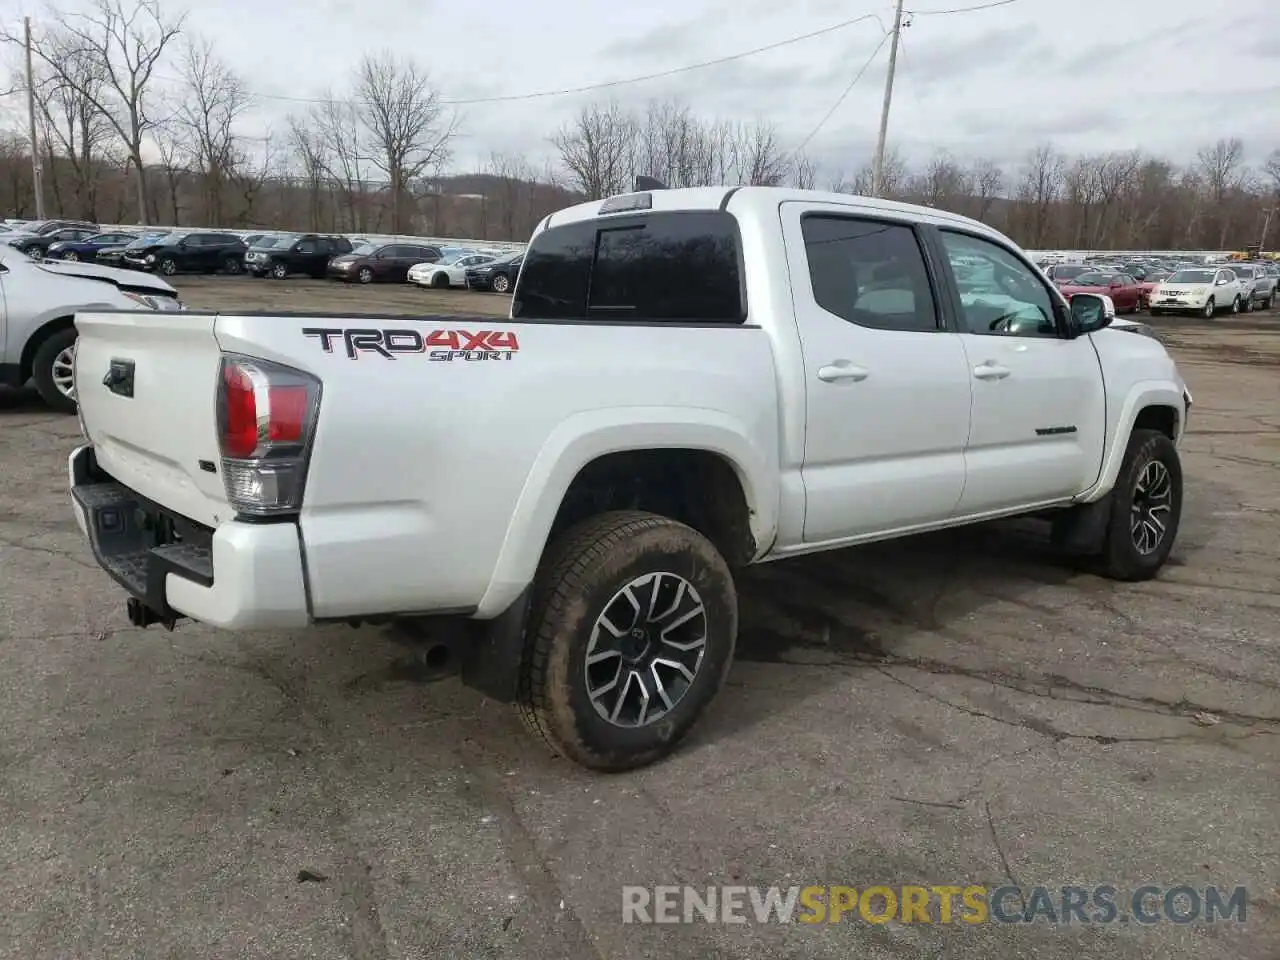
(964, 708)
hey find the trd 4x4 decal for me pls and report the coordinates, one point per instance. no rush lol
(439, 345)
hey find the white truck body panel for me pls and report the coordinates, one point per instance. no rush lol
(433, 486)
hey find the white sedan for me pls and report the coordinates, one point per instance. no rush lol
(448, 272)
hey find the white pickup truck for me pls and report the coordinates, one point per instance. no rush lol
(690, 381)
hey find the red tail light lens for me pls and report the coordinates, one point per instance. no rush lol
(239, 413)
(266, 418)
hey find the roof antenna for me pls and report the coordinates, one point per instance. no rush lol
(649, 183)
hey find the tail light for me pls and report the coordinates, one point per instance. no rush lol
(266, 421)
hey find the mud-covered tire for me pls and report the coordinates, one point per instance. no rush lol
(582, 571)
(43, 373)
(1121, 559)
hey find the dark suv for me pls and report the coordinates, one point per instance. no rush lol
(498, 275)
(384, 261)
(307, 253)
(190, 253)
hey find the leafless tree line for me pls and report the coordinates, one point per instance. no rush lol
(139, 120)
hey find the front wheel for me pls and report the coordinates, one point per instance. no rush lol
(1210, 308)
(439, 281)
(1157, 312)
(1235, 305)
(279, 271)
(71, 256)
(53, 369)
(631, 635)
(365, 275)
(1146, 508)
(501, 284)
(168, 266)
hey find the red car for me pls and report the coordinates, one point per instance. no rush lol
(1125, 292)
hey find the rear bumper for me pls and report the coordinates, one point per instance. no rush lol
(240, 576)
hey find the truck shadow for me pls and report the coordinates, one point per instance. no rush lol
(960, 601)
(22, 400)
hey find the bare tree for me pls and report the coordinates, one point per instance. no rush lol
(213, 100)
(988, 182)
(758, 156)
(309, 153)
(597, 149)
(128, 43)
(944, 183)
(176, 161)
(72, 128)
(804, 173)
(408, 128)
(339, 134)
(1039, 191)
(1272, 169)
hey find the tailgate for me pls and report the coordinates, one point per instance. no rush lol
(156, 433)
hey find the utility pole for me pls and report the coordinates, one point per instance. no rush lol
(1266, 228)
(37, 174)
(877, 171)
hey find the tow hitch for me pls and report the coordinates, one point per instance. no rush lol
(140, 615)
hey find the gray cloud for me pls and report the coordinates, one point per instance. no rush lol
(991, 83)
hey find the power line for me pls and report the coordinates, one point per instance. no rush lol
(590, 87)
(982, 6)
(847, 90)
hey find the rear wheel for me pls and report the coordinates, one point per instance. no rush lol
(53, 370)
(232, 265)
(630, 637)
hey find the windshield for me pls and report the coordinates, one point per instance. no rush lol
(268, 242)
(1192, 276)
(1093, 279)
(362, 249)
(1067, 271)
(148, 239)
(451, 258)
(1244, 273)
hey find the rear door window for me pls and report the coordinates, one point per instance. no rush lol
(665, 267)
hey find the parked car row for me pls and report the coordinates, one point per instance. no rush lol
(277, 256)
(1165, 286)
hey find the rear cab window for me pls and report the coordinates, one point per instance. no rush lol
(665, 266)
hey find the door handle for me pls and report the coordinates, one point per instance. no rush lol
(991, 371)
(841, 370)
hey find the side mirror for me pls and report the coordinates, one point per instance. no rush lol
(1091, 312)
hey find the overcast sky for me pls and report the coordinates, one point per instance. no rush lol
(1092, 75)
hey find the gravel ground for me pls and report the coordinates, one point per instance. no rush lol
(961, 708)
